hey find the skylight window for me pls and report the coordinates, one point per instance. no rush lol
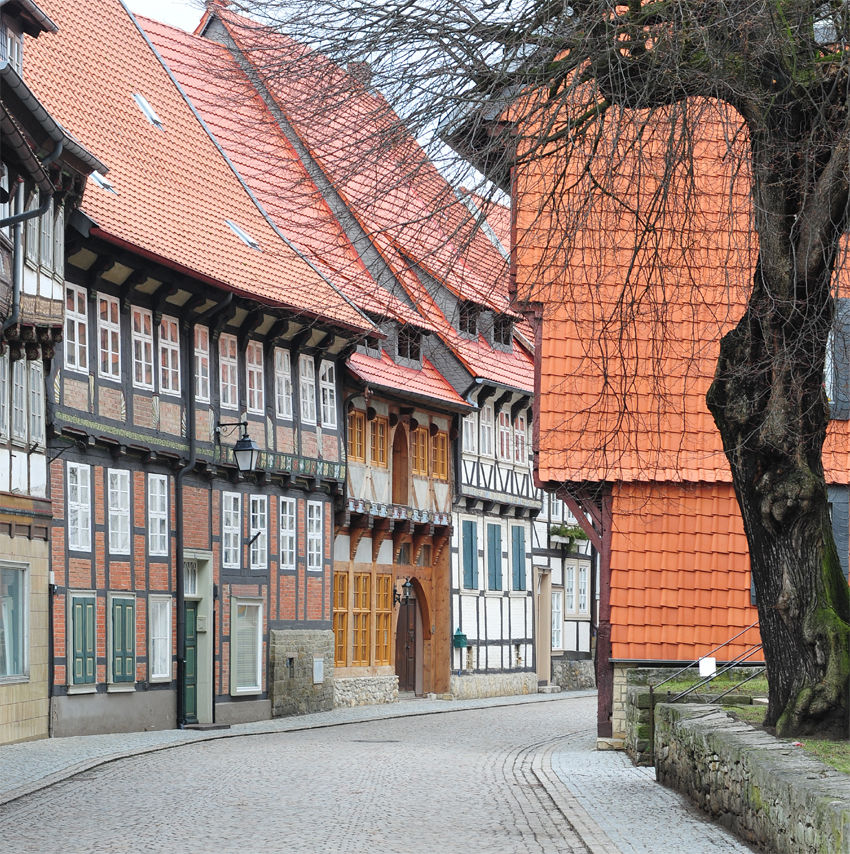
(243, 235)
(103, 182)
(148, 110)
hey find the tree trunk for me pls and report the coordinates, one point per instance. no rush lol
(768, 402)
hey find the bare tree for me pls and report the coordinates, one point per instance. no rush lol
(614, 105)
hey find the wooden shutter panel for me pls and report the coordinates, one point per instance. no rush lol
(470, 554)
(840, 404)
(83, 641)
(494, 557)
(123, 640)
(518, 549)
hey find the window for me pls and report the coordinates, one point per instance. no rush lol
(357, 436)
(19, 401)
(118, 505)
(246, 643)
(494, 557)
(157, 514)
(327, 388)
(582, 590)
(410, 344)
(46, 250)
(379, 432)
(503, 331)
(340, 620)
(314, 535)
(282, 383)
(190, 577)
(307, 388)
(122, 640)
(518, 557)
(202, 364)
(361, 615)
(556, 507)
(469, 534)
(287, 533)
(228, 366)
(13, 620)
(142, 338)
(254, 377)
(469, 318)
(470, 437)
(79, 507)
(169, 355)
(486, 431)
(557, 619)
(520, 449)
(36, 385)
(383, 617)
(76, 329)
(440, 452)
(231, 520)
(32, 231)
(259, 532)
(159, 634)
(419, 442)
(81, 651)
(109, 333)
(59, 244)
(570, 588)
(14, 50)
(5, 207)
(505, 444)
(4, 393)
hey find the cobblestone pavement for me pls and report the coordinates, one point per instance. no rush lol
(493, 778)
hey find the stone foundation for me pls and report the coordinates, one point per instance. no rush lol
(292, 688)
(474, 686)
(365, 691)
(573, 675)
(763, 789)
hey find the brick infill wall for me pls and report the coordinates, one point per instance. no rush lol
(763, 789)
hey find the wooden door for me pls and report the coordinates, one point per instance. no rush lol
(405, 646)
(190, 671)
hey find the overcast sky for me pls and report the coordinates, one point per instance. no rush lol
(179, 13)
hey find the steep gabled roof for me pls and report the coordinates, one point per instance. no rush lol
(174, 192)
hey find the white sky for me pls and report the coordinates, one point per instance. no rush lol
(179, 13)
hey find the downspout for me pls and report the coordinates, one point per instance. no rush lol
(189, 403)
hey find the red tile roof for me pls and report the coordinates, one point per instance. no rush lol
(174, 189)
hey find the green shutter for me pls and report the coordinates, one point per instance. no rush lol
(83, 642)
(123, 640)
(494, 557)
(470, 554)
(518, 552)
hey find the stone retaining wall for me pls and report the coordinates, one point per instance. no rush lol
(763, 789)
(473, 686)
(365, 690)
(292, 689)
(573, 675)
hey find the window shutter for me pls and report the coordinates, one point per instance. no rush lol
(470, 554)
(123, 640)
(840, 355)
(83, 648)
(494, 557)
(518, 547)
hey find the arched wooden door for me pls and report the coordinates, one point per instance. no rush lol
(400, 467)
(406, 651)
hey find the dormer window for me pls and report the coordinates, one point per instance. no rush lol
(503, 331)
(148, 110)
(468, 322)
(410, 344)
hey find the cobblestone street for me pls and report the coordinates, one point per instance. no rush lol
(520, 778)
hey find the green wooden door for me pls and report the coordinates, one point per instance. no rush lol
(190, 671)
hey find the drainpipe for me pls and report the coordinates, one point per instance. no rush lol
(189, 403)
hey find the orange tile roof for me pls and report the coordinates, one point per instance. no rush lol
(174, 189)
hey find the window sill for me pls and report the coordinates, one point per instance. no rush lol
(15, 679)
(246, 692)
(88, 688)
(160, 680)
(121, 688)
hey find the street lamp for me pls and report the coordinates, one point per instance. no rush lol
(246, 451)
(406, 594)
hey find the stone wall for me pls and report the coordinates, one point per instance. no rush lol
(763, 789)
(638, 725)
(365, 690)
(292, 686)
(473, 686)
(573, 675)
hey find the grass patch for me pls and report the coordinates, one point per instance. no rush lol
(754, 688)
(749, 714)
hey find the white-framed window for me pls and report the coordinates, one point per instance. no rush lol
(46, 250)
(121, 639)
(570, 588)
(246, 645)
(19, 400)
(287, 533)
(307, 388)
(231, 521)
(202, 363)
(5, 207)
(470, 433)
(36, 389)
(505, 436)
(79, 506)
(76, 329)
(282, 383)
(14, 631)
(327, 387)
(4, 394)
(109, 337)
(485, 445)
(557, 619)
(142, 340)
(159, 638)
(157, 514)
(583, 607)
(314, 535)
(259, 532)
(32, 231)
(255, 377)
(520, 447)
(556, 507)
(228, 369)
(118, 507)
(59, 244)
(169, 355)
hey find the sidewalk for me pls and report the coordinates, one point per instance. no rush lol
(32, 765)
